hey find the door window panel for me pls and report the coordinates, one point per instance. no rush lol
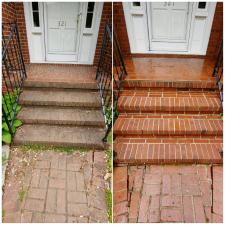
(90, 13)
(35, 14)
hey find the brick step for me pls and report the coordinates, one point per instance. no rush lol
(80, 137)
(168, 151)
(61, 116)
(170, 126)
(173, 104)
(60, 98)
(145, 84)
(60, 84)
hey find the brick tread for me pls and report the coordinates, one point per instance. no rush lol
(60, 136)
(168, 127)
(197, 103)
(63, 116)
(60, 98)
(168, 153)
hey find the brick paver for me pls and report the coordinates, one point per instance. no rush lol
(168, 193)
(55, 187)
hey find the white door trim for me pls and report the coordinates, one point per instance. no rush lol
(197, 43)
(87, 40)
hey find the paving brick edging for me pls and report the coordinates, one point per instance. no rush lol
(120, 194)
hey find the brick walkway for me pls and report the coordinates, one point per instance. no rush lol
(49, 186)
(168, 194)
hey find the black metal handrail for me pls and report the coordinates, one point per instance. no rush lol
(104, 77)
(218, 72)
(13, 73)
(119, 73)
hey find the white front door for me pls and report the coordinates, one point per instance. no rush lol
(62, 25)
(169, 26)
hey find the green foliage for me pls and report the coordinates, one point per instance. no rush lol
(4, 160)
(109, 204)
(40, 148)
(8, 101)
(108, 113)
(22, 194)
(6, 136)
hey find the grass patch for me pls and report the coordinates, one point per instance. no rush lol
(109, 160)
(109, 170)
(109, 153)
(40, 148)
(22, 193)
(4, 160)
(109, 204)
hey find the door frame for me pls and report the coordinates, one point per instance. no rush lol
(87, 41)
(45, 22)
(196, 47)
(189, 28)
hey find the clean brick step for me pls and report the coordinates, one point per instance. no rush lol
(63, 116)
(60, 98)
(168, 151)
(60, 84)
(172, 103)
(84, 137)
(146, 84)
(170, 126)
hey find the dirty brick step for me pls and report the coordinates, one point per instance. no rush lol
(85, 137)
(60, 84)
(172, 126)
(172, 104)
(60, 98)
(61, 116)
(140, 151)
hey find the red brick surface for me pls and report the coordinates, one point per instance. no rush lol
(58, 187)
(106, 17)
(14, 11)
(120, 194)
(169, 193)
(170, 153)
(119, 25)
(216, 32)
(147, 84)
(168, 126)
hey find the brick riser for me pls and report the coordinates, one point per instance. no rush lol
(168, 127)
(145, 84)
(187, 104)
(161, 123)
(168, 150)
